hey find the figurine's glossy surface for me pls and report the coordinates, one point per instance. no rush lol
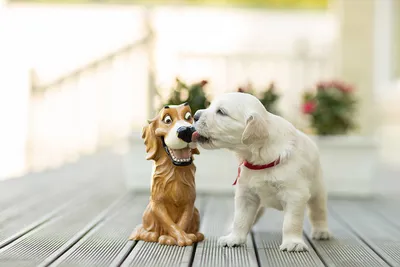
(171, 217)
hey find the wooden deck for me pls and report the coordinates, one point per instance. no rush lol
(81, 215)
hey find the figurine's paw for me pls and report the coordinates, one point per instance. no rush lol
(192, 237)
(200, 237)
(183, 239)
(135, 235)
(166, 240)
(293, 244)
(231, 240)
(149, 236)
(321, 234)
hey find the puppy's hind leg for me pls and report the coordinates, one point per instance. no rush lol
(317, 213)
(245, 213)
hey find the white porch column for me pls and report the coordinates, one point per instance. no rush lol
(396, 38)
(364, 53)
(14, 94)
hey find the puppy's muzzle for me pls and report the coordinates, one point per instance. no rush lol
(185, 133)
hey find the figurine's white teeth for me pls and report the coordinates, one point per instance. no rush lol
(178, 158)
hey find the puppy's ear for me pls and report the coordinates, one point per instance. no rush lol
(151, 141)
(256, 129)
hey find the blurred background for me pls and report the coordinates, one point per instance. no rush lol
(80, 76)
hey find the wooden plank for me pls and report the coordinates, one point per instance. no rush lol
(389, 209)
(16, 194)
(39, 244)
(345, 248)
(369, 226)
(217, 221)
(102, 245)
(268, 237)
(41, 196)
(153, 254)
(34, 207)
(28, 215)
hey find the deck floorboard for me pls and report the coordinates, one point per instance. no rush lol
(82, 215)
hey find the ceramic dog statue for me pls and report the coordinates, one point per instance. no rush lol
(171, 217)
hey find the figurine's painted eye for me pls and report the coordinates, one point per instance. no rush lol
(221, 112)
(167, 119)
(188, 116)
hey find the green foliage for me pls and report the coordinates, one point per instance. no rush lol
(330, 108)
(193, 94)
(269, 97)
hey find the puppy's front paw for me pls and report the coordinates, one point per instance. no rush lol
(231, 240)
(293, 245)
(321, 234)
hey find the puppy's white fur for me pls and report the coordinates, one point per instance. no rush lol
(240, 123)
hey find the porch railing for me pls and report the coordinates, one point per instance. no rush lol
(89, 108)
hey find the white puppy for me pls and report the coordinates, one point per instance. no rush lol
(282, 167)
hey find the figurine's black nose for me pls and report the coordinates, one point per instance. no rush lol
(197, 115)
(185, 133)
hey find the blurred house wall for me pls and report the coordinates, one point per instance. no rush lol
(192, 42)
(366, 56)
(396, 35)
(59, 38)
(231, 47)
(54, 40)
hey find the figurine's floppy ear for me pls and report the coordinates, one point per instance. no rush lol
(150, 140)
(195, 151)
(256, 129)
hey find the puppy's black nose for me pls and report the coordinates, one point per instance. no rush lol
(197, 115)
(185, 133)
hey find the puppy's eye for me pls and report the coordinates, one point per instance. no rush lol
(188, 116)
(167, 119)
(221, 112)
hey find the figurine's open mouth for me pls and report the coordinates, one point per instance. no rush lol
(179, 157)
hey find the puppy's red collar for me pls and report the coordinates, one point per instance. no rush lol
(256, 167)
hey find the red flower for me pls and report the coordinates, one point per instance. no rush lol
(203, 83)
(346, 88)
(309, 107)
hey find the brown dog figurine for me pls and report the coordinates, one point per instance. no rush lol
(171, 217)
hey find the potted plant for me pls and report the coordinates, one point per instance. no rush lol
(348, 160)
(269, 97)
(193, 94)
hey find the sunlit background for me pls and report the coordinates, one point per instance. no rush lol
(80, 76)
